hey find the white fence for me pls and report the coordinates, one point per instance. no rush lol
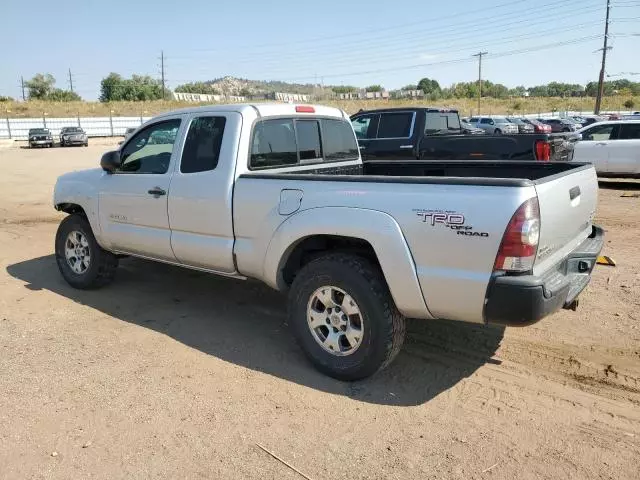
(18, 128)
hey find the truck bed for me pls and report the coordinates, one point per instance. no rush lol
(457, 172)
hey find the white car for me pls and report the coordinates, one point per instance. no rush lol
(613, 147)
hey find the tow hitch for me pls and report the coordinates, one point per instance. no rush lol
(573, 305)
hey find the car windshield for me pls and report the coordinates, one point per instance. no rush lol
(500, 120)
(517, 121)
(38, 131)
(73, 130)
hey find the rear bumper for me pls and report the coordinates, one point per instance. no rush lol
(525, 299)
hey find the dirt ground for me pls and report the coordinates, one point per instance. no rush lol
(169, 373)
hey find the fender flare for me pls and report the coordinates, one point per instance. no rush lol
(378, 228)
(78, 193)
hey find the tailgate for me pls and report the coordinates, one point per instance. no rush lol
(567, 205)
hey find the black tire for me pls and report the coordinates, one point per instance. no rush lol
(383, 325)
(86, 144)
(497, 131)
(102, 265)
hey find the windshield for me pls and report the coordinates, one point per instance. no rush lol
(72, 130)
(516, 120)
(500, 120)
(442, 122)
(38, 131)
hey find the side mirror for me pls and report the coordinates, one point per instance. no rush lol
(110, 161)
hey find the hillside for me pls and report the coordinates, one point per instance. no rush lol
(242, 86)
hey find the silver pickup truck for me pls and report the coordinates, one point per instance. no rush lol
(279, 193)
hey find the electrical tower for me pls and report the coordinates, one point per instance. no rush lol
(70, 81)
(596, 110)
(479, 55)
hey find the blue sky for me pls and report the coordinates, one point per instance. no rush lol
(337, 42)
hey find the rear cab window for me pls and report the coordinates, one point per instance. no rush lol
(287, 142)
(396, 125)
(630, 131)
(202, 144)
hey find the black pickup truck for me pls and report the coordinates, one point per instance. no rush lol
(435, 134)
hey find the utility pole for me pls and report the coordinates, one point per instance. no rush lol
(162, 72)
(596, 110)
(24, 99)
(479, 55)
(70, 81)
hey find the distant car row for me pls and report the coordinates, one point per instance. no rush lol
(42, 137)
(499, 125)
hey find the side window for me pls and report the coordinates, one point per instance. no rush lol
(202, 145)
(395, 125)
(473, 120)
(598, 133)
(338, 141)
(486, 121)
(630, 131)
(150, 150)
(274, 144)
(361, 125)
(308, 136)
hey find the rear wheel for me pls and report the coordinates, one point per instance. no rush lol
(497, 131)
(82, 262)
(343, 316)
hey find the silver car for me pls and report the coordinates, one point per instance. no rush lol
(494, 125)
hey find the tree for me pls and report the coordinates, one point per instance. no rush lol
(5, 99)
(629, 103)
(344, 89)
(410, 87)
(429, 86)
(40, 86)
(59, 95)
(374, 88)
(137, 88)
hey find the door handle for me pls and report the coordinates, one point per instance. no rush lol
(406, 146)
(602, 143)
(156, 192)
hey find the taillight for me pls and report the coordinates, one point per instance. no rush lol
(543, 150)
(520, 241)
(305, 109)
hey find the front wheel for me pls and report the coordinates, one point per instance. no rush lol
(82, 262)
(342, 314)
(497, 131)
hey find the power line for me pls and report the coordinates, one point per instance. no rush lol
(604, 61)
(479, 55)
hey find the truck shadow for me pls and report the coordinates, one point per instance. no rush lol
(245, 323)
(619, 184)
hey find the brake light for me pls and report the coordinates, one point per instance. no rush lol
(520, 241)
(305, 109)
(543, 150)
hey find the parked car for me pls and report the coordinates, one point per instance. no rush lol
(257, 192)
(423, 133)
(40, 137)
(523, 127)
(591, 119)
(538, 127)
(494, 125)
(73, 136)
(469, 129)
(129, 131)
(613, 147)
(560, 124)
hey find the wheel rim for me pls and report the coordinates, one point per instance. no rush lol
(335, 321)
(77, 252)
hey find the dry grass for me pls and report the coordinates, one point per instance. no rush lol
(35, 109)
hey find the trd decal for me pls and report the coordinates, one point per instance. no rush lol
(448, 219)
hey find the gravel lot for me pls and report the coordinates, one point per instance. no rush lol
(170, 373)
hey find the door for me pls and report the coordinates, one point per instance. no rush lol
(200, 204)
(624, 153)
(133, 200)
(394, 138)
(594, 146)
(365, 126)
